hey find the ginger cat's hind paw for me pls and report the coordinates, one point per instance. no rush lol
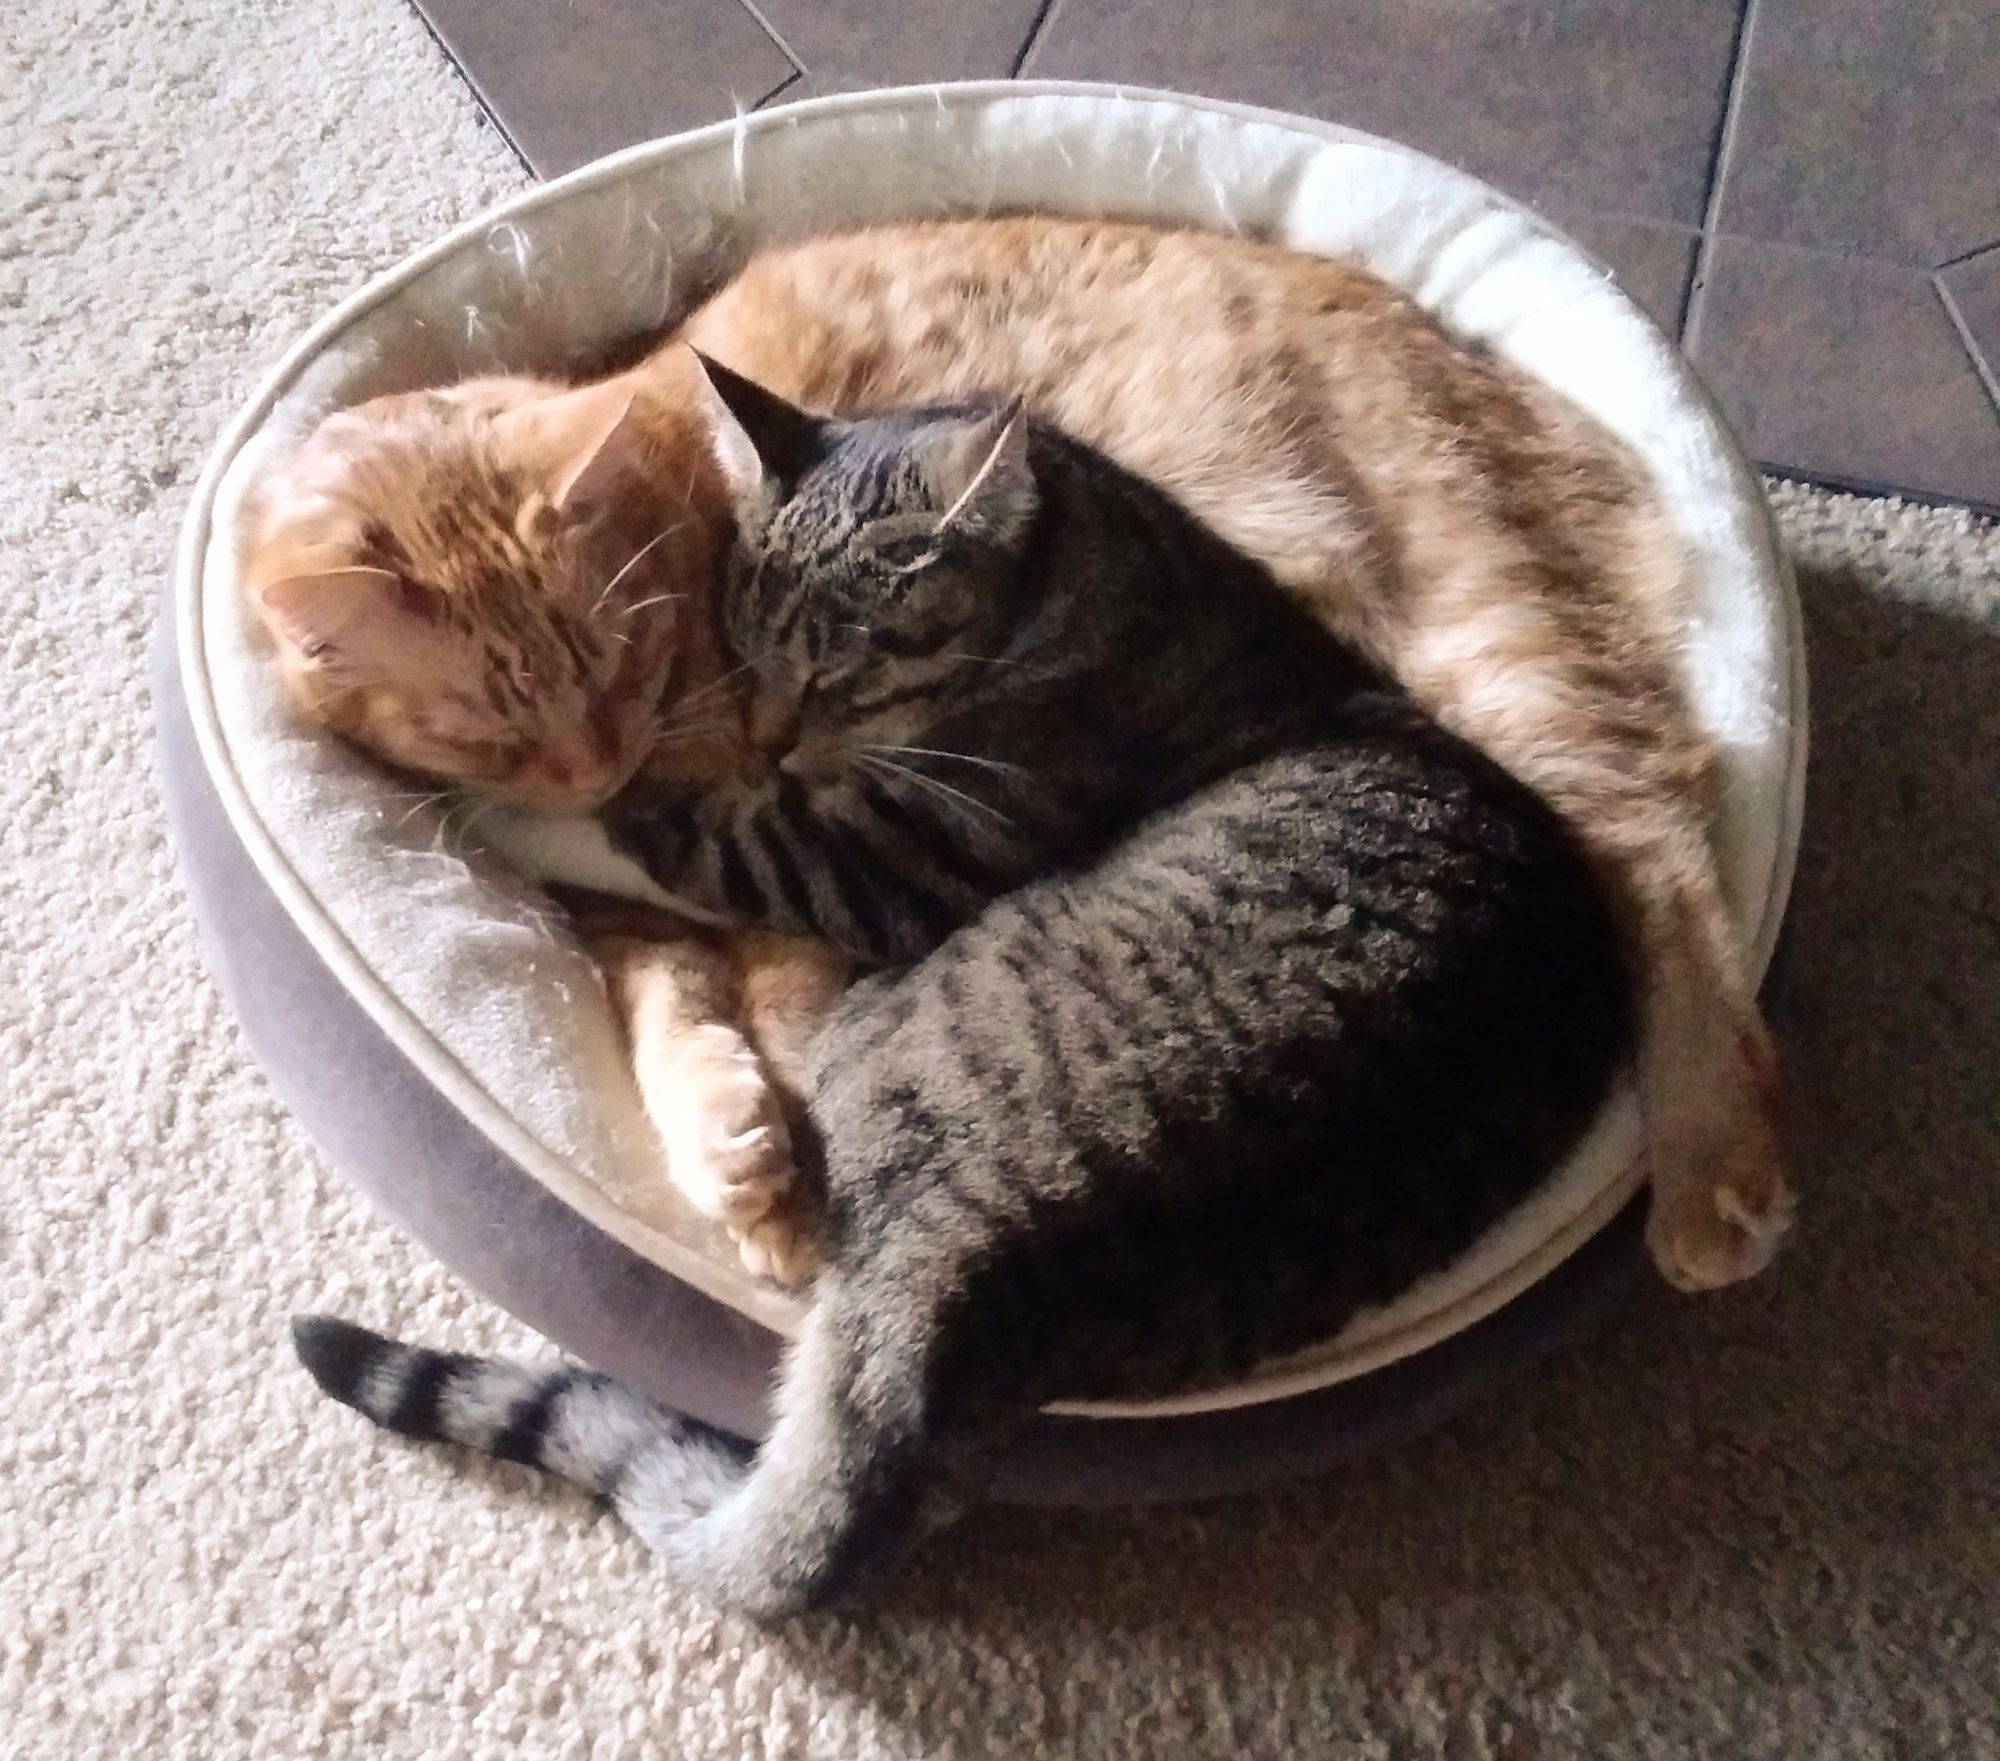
(781, 1245)
(1722, 1200)
(1725, 1225)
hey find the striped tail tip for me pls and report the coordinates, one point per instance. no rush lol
(514, 1411)
(398, 1386)
(339, 1355)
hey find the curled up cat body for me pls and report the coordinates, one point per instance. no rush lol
(1245, 993)
(1498, 554)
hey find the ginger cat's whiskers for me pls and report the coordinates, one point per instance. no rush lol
(631, 563)
(441, 798)
(453, 830)
(633, 610)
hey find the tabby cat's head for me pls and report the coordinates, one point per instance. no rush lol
(878, 567)
(455, 582)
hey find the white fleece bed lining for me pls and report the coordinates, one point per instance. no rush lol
(448, 955)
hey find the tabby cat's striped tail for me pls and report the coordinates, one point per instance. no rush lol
(655, 1468)
(843, 1484)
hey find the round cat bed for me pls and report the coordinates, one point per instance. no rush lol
(455, 1054)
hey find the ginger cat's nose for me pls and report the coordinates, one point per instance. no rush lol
(774, 727)
(575, 765)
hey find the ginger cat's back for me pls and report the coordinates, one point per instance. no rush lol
(1311, 413)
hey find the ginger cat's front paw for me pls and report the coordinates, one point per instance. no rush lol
(729, 1148)
(719, 1115)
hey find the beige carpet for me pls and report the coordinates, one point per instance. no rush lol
(1766, 1525)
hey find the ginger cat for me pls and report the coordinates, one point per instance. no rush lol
(509, 586)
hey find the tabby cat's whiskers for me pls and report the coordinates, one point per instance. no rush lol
(875, 762)
(992, 764)
(695, 699)
(980, 659)
(688, 734)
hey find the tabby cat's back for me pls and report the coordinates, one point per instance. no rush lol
(1501, 554)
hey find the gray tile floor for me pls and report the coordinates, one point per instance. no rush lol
(1805, 192)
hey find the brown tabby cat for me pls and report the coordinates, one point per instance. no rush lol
(1168, 1073)
(488, 585)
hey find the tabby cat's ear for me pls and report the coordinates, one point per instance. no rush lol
(758, 435)
(978, 473)
(343, 614)
(583, 442)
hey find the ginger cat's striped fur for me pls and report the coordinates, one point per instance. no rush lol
(1500, 554)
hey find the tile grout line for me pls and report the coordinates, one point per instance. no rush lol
(1718, 167)
(1874, 489)
(1556, 209)
(465, 79)
(1044, 16)
(1965, 257)
(1987, 376)
(779, 90)
(770, 30)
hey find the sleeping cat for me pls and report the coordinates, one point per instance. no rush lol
(1307, 994)
(476, 585)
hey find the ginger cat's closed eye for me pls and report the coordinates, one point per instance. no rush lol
(475, 584)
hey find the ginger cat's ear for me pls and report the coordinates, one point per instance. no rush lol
(584, 442)
(343, 614)
(758, 436)
(978, 472)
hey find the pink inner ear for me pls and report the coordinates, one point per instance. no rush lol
(333, 608)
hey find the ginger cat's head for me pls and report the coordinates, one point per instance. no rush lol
(489, 585)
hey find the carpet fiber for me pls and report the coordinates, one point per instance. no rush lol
(1761, 1525)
